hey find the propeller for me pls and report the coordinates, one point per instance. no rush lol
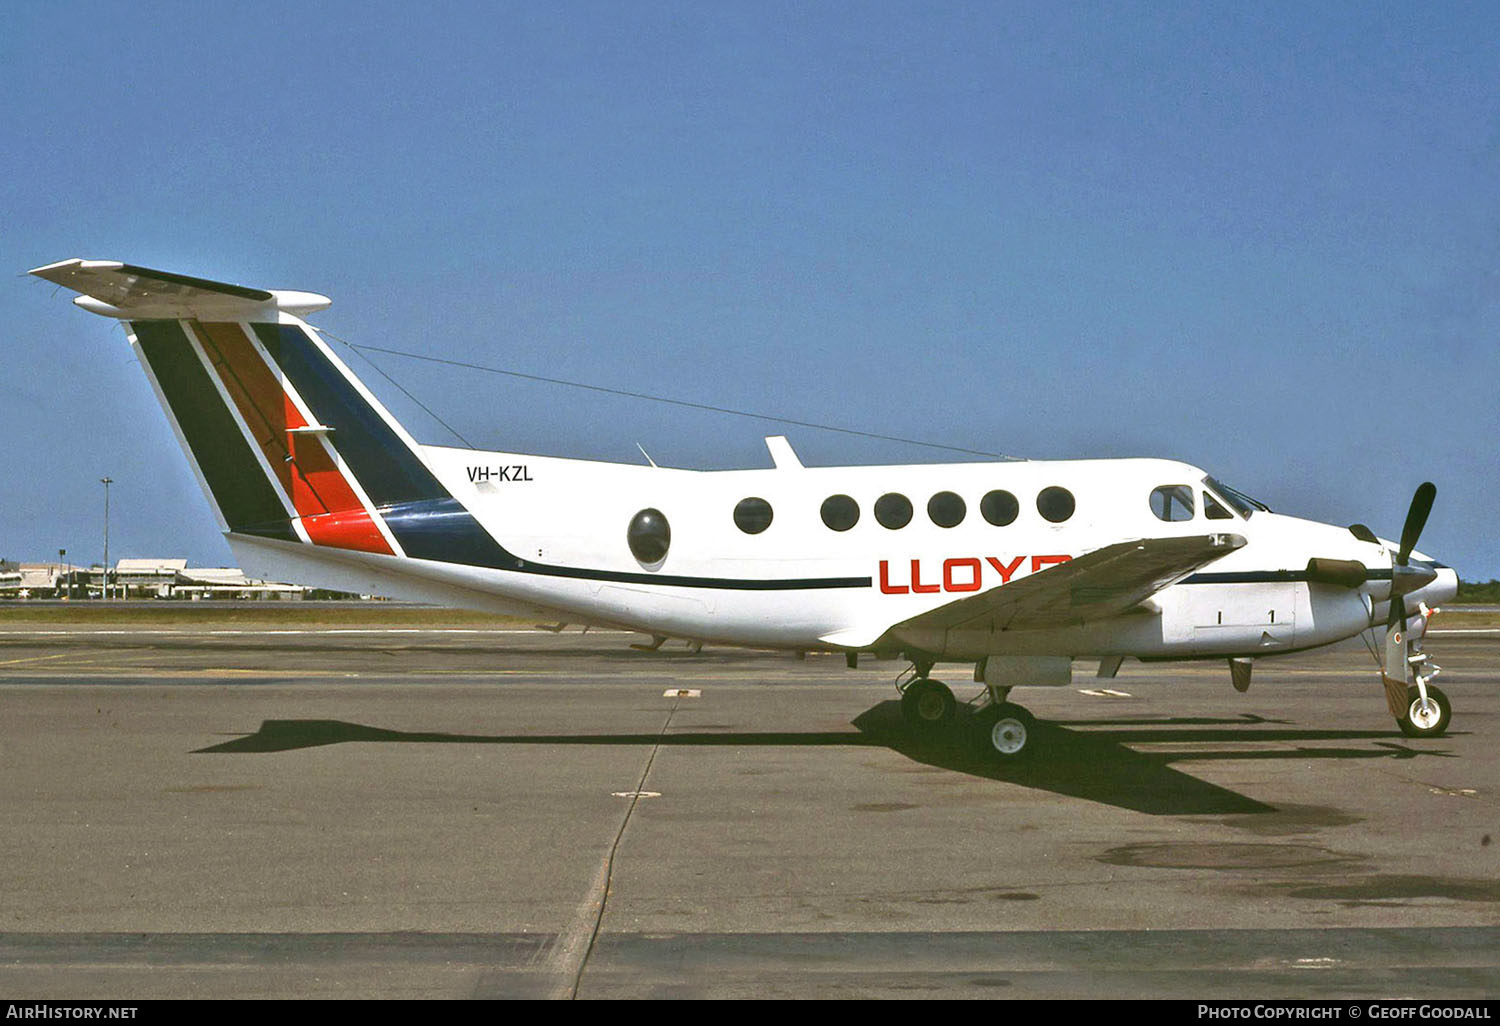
(1405, 579)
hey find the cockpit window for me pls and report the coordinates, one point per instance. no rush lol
(1213, 510)
(1172, 503)
(1242, 503)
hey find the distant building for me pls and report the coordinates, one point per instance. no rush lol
(143, 579)
(33, 580)
(229, 582)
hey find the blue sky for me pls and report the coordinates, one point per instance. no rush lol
(1261, 238)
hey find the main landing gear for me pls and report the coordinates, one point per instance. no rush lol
(1002, 730)
(996, 729)
(928, 705)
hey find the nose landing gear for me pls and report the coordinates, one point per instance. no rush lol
(1420, 709)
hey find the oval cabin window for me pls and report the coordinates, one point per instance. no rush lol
(893, 510)
(999, 508)
(649, 536)
(947, 509)
(752, 515)
(1055, 504)
(840, 512)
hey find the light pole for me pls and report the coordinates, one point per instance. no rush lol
(104, 588)
(68, 579)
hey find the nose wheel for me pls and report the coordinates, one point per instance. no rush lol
(1425, 717)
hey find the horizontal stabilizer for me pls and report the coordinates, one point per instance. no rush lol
(113, 289)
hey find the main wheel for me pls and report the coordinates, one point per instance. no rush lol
(1429, 719)
(1004, 731)
(928, 705)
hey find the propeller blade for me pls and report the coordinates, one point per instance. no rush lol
(1416, 519)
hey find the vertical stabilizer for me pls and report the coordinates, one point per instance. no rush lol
(288, 444)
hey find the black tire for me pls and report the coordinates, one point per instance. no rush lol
(1421, 723)
(928, 705)
(1004, 732)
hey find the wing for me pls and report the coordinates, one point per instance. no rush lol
(114, 289)
(1096, 586)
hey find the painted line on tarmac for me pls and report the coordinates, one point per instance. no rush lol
(158, 632)
(36, 659)
(570, 952)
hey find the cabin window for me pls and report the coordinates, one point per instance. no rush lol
(1055, 504)
(946, 509)
(999, 508)
(1213, 510)
(1172, 503)
(752, 515)
(840, 512)
(893, 510)
(649, 536)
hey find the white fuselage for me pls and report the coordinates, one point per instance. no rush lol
(563, 513)
(314, 481)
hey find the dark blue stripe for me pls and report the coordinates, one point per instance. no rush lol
(442, 530)
(387, 469)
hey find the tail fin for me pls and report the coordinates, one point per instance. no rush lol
(286, 441)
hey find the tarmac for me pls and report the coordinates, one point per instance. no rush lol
(232, 811)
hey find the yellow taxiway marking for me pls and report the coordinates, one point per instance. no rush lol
(37, 659)
(248, 631)
(95, 670)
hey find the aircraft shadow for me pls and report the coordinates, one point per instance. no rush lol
(1094, 765)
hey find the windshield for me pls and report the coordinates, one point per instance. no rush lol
(1242, 503)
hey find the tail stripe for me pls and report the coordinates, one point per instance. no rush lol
(330, 511)
(425, 519)
(258, 395)
(249, 502)
(385, 465)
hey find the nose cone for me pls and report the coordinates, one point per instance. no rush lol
(1408, 580)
